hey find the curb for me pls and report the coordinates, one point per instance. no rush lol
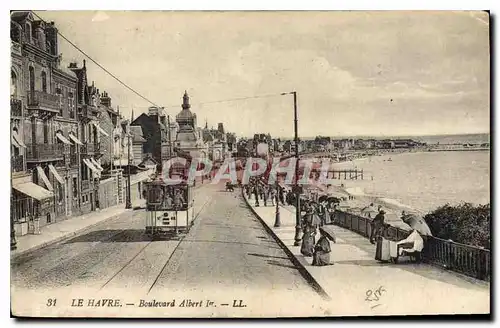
(302, 269)
(66, 236)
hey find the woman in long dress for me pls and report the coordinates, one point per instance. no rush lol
(321, 256)
(308, 241)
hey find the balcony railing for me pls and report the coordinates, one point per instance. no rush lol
(90, 148)
(44, 152)
(42, 100)
(17, 163)
(16, 107)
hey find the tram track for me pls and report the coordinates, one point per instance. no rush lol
(175, 249)
(142, 250)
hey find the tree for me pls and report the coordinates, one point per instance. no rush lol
(463, 223)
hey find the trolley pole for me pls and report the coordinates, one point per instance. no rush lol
(297, 190)
(128, 203)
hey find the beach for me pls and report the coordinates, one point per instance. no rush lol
(417, 182)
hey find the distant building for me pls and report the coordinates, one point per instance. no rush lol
(154, 126)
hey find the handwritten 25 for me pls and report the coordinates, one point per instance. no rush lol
(374, 295)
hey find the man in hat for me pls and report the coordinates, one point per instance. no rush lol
(377, 225)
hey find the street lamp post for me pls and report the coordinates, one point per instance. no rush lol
(297, 190)
(296, 185)
(128, 203)
(277, 219)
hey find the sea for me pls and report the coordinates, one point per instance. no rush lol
(424, 181)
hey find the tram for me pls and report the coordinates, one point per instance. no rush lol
(169, 208)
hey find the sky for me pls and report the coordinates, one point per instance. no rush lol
(355, 73)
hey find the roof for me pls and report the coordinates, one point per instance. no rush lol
(136, 131)
(185, 114)
(64, 70)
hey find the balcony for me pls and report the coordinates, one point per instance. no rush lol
(87, 113)
(90, 148)
(15, 48)
(39, 100)
(44, 152)
(16, 107)
(17, 163)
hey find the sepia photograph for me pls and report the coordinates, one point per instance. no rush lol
(249, 164)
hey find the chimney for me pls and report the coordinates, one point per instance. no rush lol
(105, 100)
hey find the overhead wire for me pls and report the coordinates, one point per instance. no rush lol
(99, 65)
(139, 94)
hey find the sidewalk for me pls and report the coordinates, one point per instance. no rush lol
(59, 231)
(409, 288)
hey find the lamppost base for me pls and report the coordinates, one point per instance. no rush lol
(297, 236)
(277, 220)
(128, 205)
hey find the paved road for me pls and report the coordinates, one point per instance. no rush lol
(226, 250)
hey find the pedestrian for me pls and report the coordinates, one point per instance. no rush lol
(322, 212)
(308, 241)
(377, 226)
(322, 250)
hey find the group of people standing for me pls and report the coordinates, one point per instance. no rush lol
(316, 215)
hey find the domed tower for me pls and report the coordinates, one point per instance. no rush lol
(186, 119)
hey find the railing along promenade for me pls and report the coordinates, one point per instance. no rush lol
(465, 259)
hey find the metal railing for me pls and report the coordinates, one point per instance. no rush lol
(42, 99)
(16, 107)
(468, 260)
(17, 163)
(40, 152)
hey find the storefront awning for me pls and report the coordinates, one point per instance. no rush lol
(43, 177)
(16, 140)
(75, 140)
(97, 165)
(92, 167)
(104, 133)
(55, 174)
(33, 190)
(63, 138)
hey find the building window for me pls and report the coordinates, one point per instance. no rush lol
(60, 95)
(15, 34)
(13, 84)
(45, 132)
(27, 32)
(60, 193)
(85, 172)
(71, 105)
(44, 82)
(75, 188)
(32, 79)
